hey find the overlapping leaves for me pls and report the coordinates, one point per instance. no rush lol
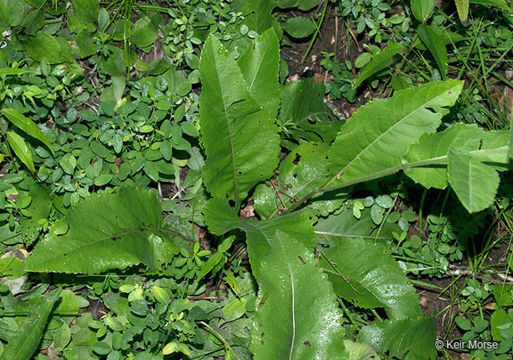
(299, 318)
(238, 105)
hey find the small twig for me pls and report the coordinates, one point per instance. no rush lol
(93, 108)
(465, 271)
(337, 271)
(180, 189)
(277, 194)
(220, 338)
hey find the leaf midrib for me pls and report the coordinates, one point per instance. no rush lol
(364, 150)
(230, 135)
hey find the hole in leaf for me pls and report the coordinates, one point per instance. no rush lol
(296, 159)
(231, 203)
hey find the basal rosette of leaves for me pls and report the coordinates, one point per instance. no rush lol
(244, 117)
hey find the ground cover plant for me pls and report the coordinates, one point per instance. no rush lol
(172, 187)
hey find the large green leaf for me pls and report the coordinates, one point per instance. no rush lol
(379, 134)
(398, 338)
(432, 146)
(220, 218)
(26, 125)
(300, 318)
(474, 182)
(379, 62)
(304, 170)
(259, 67)
(257, 15)
(27, 339)
(364, 272)
(107, 231)
(239, 136)
(144, 33)
(21, 149)
(291, 285)
(344, 225)
(486, 146)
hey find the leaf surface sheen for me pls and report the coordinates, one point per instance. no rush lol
(399, 337)
(106, 231)
(367, 275)
(379, 134)
(300, 318)
(26, 125)
(379, 62)
(485, 146)
(239, 136)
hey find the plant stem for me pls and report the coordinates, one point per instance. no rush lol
(318, 26)
(440, 160)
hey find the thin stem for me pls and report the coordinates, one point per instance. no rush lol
(220, 338)
(318, 26)
(440, 160)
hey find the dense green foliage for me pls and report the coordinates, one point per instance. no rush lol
(167, 192)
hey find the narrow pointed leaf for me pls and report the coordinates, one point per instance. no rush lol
(220, 218)
(462, 8)
(370, 278)
(259, 66)
(474, 183)
(379, 134)
(107, 231)
(26, 125)
(21, 149)
(430, 36)
(239, 137)
(300, 318)
(379, 62)
(403, 339)
(27, 339)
